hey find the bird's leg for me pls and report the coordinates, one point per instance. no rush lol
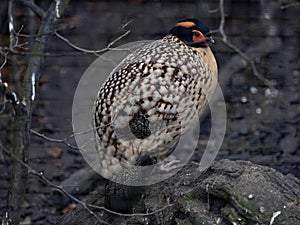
(123, 199)
(146, 160)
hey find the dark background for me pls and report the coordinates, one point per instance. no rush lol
(260, 128)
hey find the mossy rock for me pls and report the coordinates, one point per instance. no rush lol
(229, 192)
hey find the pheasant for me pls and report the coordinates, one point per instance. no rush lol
(151, 98)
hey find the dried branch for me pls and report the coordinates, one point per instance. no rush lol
(66, 27)
(42, 54)
(96, 52)
(55, 31)
(65, 140)
(35, 8)
(125, 24)
(225, 40)
(131, 214)
(62, 141)
(4, 54)
(5, 50)
(289, 5)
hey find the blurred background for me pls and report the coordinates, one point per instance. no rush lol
(263, 125)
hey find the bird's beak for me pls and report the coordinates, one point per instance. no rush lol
(210, 40)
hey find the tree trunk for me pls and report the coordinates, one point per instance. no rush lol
(23, 112)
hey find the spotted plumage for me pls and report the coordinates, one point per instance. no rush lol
(151, 97)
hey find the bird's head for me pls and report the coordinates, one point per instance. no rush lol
(193, 33)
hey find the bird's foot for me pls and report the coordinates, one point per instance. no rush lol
(170, 164)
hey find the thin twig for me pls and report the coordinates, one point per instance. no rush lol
(132, 214)
(239, 51)
(222, 22)
(4, 62)
(126, 24)
(290, 5)
(17, 45)
(117, 39)
(82, 50)
(211, 11)
(65, 140)
(36, 53)
(96, 52)
(62, 141)
(67, 27)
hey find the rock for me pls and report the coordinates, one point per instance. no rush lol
(244, 129)
(289, 144)
(239, 81)
(36, 216)
(81, 181)
(229, 192)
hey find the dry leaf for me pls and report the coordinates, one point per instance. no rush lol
(55, 152)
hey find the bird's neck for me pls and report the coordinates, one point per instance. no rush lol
(207, 56)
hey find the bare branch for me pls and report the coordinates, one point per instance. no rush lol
(211, 11)
(62, 141)
(66, 27)
(39, 53)
(65, 140)
(96, 52)
(117, 39)
(222, 22)
(4, 54)
(293, 4)
(266, 81)
(55, 31)
(17, 44)
(35, 8)
(124, 25)
(132, 214)
(14, 44)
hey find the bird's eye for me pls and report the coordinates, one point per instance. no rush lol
(196, 34)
